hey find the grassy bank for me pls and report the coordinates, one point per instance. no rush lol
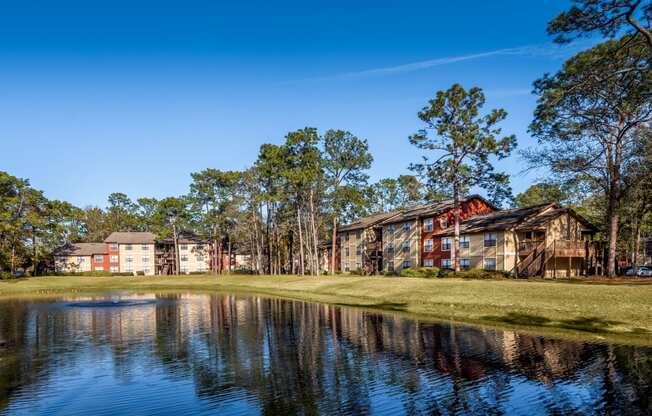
(619, 312)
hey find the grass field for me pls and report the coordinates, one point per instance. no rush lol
(619, 312)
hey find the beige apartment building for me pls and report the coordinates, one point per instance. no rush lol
(545, 240)
(193, 256)
(131, 252)
(401, 242)
(80, 257)
(360, 244)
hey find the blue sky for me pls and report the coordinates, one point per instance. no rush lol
(99, 97)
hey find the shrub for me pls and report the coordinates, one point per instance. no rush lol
(6, 276)
(474, 274)
(427, 272)
(140, 273)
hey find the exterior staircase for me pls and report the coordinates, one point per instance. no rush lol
(534, 263)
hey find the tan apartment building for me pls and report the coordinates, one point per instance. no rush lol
(544, 239)
(408, 237)
(194, 255)
(80, 258)
(360, 244)
(131, 252)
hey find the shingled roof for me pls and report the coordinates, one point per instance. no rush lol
(131, 237)
(368, 221)
(185, 237)
(508, 219)
(430, 210)
(80, 249)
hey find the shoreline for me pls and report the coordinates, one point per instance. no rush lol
(591, 311)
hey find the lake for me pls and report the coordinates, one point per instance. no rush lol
(174, 354)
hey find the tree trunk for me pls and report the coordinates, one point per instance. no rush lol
(334, 244)
(176, 249)
(301, 265)
(315, 236)
(456, 241)
(614, 199)
(229, 257)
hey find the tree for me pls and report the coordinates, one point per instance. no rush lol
(121, 213)
(586, 118)
(462, 142)
(540, 193)
(389, 194)
(214, 198)
(607, 17)
(346, 157)
(171, 216)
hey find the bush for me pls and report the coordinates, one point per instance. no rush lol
(474, 274)
(140, 273)
(426, 272)
(97, 273)
(6, 276)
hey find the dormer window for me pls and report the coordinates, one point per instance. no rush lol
(443, 222)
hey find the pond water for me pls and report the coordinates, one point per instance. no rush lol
(219, 354)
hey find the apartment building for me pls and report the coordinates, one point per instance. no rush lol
(194, 255)
(131, 252)
(360, 245)
(408, 237)
(81, 257)
(545, 240)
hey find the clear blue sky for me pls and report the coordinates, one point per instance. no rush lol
(131, 96)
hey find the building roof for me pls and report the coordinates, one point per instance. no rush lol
(430, 210)
(80, 249)
(185, 238)
(526, 218)
(131, 237)
(368, 221)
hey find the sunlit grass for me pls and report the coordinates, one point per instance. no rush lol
(598, 311)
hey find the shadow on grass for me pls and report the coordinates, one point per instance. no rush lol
(588, 324)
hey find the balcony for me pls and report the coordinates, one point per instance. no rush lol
(528, 246)
(569, 248)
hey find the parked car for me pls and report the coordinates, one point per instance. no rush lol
(630, 271)
(644, 271)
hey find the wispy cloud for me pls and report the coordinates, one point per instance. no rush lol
(547, 50)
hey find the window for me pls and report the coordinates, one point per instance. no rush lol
(346, 252)
(390, 248)
(390, 228)
(114, 269)
(490, 239)
(428, 225)
(145, 259)
(99, 269)
(407, 264)
(390, 266)
(128, 247)
(80, 259)
(346, 237)
(184, 258)
(358, 266)
(146, 270)
(490, 263)
(446, 244)
(63, 259)
(405, 246)
(200, 258)
(443, 222)
(144, 247)
(129, 268)
(427, 245)
(358, 235)
(465, 263)
(113, 247)
(99, 258)
(199, 247)
(201, 268)
(346, 267)
(406, 226)
(465, 242)
(428, 263)
(446, 263)
(114, 259)
(129, 259)
(358, 250)
(184, 269)
(183, 247)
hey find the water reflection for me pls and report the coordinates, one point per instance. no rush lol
(174, 354)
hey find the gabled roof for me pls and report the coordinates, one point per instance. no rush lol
(430, 210)
(526, 218)
(131, 237)
(368, 221)
(80, 249)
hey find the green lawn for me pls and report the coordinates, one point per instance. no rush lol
(619, 312)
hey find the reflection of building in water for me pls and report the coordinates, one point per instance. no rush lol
(293, 357)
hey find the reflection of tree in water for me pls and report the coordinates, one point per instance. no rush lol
(292, 357)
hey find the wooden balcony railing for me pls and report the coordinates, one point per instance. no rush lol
(570, 248)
